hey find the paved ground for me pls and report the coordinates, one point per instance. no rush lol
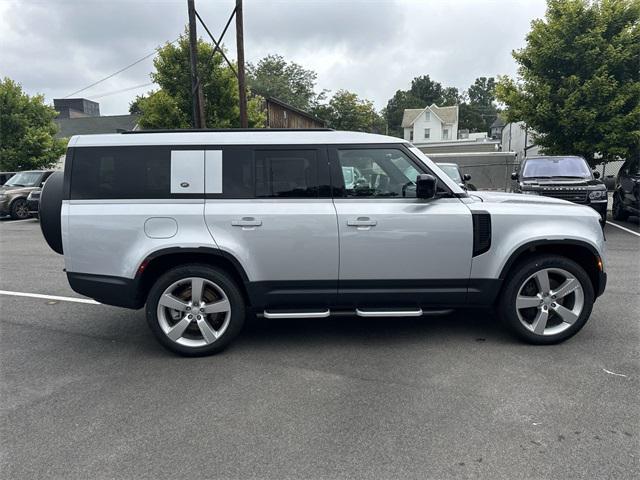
(87, 393)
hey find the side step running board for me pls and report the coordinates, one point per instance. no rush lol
(321, 314)
(389, 313)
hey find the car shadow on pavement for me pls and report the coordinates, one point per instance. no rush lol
(474, 325)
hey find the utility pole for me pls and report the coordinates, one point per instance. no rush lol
(244, 123)
(196, 87)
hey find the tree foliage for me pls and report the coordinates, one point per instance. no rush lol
(478, 110)
(273, 76)
(171, 105)
(26, 130)
(347, 111)
(579, 81)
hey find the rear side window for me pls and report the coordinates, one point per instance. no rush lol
(120, 173)
(286, 173)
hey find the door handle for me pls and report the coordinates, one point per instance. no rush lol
(246, 222)
(361, 222)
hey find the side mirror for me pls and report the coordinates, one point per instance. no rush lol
(596, 174)
(515, 176)
(426, 186)
(466, 177)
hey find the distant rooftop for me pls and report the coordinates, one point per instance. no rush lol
(68, 127)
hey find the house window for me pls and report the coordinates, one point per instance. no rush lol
(445, 134)
(427, 116)
(411, 135)
(427, 133)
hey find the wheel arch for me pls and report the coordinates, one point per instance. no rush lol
(583, 253)
(161, 261)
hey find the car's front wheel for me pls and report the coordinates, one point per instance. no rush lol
(19, 209)
(195, 310)
(547, 299)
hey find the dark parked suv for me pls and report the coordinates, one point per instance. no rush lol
(626, 198)
(565, 177)
(14, 193)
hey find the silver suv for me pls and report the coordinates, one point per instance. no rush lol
(205, 227)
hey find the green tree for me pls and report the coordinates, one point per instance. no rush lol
(171, 105)
(579, 82)
(26, 130)
(272, 76)
(478, 113)
(346, 111)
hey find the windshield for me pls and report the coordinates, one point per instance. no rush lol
(25, 179)
(452, 171)
(568, 167)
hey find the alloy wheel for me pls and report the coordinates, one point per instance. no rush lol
(549, 301)
(194, 312)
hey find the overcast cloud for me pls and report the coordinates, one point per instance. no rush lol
(370, 47)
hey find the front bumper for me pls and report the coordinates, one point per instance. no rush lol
(33, 206)
(600, 207)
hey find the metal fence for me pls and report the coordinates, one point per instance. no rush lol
(489, 171)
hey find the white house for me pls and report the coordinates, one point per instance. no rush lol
(430, 124)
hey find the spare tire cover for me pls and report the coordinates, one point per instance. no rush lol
(50, 210)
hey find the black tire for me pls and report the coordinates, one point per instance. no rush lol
(516, 280)
(617, 210)
(222, 280)
(19, 209)
(49, 210)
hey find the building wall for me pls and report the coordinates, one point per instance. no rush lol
(513, 140)
(435, 126)
(279, 116)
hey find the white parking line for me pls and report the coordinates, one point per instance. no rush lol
(49, 297)
(18, 221)
(624, 228)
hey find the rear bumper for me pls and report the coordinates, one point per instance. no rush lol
(116, 291)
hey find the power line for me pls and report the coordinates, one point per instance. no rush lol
(119, 71)
(106, 94)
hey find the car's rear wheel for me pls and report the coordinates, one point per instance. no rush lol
(547, 299)
(617, 210)
(195, 310)
(19, 209)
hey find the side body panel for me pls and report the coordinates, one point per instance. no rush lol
(108, 237)
(514, 226)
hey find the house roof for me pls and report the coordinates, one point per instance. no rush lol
(409, 116)
(446, 114)
(498, 122)
(68, 127)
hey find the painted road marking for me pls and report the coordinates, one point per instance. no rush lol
(624, 228)
(49, 297)
(18, 221)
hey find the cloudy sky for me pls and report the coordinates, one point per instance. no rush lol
(373, 47)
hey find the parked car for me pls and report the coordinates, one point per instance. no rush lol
(4, 176)
(14, 193)
(565, 177)
(203, 226)
(626, 198)
(33, 202)
(455, 173)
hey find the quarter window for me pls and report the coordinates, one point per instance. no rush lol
(287, 173)
(120, 172)
(377, 172)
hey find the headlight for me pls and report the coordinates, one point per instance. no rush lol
(597, 194)
(530, 192)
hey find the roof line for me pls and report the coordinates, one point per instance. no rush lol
(227, 130)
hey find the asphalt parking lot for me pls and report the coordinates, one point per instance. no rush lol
(88, 393)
